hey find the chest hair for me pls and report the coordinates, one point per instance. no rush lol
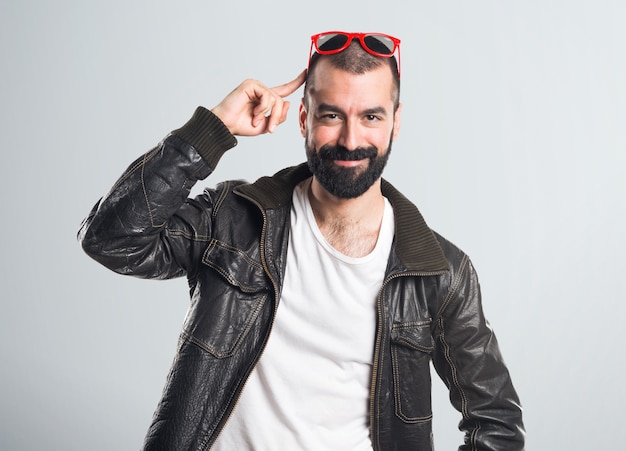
(353, 240)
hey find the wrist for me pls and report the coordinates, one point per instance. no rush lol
(206, 132)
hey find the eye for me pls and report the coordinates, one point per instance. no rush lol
(372, 118)
(329, 118)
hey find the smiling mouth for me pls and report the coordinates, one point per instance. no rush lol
(348, 163)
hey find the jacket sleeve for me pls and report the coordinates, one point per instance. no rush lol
(468, 360)
(146, 226)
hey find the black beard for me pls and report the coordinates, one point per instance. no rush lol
(342, 182)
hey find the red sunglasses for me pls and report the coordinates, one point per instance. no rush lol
(377, 44)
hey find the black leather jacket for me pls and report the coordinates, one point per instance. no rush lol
(231, 244)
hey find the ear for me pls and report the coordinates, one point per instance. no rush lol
(302, 115)
(396, 122)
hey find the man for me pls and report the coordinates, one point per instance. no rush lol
(319, 296)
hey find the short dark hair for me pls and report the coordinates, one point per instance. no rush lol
(357, 61)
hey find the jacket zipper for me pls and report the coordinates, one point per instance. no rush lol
(377, 343)
(266, 269)
(378, 331)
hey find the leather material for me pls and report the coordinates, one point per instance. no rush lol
(231, 241)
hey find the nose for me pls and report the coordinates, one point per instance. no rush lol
(349, 137)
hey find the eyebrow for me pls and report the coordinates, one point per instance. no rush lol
(326, 107)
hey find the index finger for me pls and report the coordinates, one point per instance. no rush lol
(291, 86)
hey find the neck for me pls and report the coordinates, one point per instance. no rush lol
(350, 225)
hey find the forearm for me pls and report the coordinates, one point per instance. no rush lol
(139, 226)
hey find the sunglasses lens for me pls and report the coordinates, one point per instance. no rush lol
(380, 44)
(330, 42)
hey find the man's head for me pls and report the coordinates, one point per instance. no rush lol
(349, 116)
(353, 57)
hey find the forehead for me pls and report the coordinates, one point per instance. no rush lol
(330, 84)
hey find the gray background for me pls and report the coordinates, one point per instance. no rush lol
(513, 146)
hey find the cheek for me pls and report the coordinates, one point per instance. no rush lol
(322, 135)
(381, 138)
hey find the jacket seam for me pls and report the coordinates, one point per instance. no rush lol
(396, 389)
(220, 199)
(475, 436)
(183, 233)
(131, 169)
(145, 191)
(412, 324)
(235, 250)
(221, 355)
(454, 286)
(447, 349)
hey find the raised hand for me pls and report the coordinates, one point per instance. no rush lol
(253, 108)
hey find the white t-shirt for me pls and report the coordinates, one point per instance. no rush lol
(311, 387)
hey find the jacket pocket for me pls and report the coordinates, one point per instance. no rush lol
(226, 300)
(411, 347)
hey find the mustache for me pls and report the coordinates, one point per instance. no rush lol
(329, 152)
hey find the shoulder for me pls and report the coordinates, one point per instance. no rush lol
(453, 254)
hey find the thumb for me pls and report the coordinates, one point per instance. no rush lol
(290, 87)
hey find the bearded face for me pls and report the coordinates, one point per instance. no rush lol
(348, 121)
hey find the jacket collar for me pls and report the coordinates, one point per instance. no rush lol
(415, 243)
